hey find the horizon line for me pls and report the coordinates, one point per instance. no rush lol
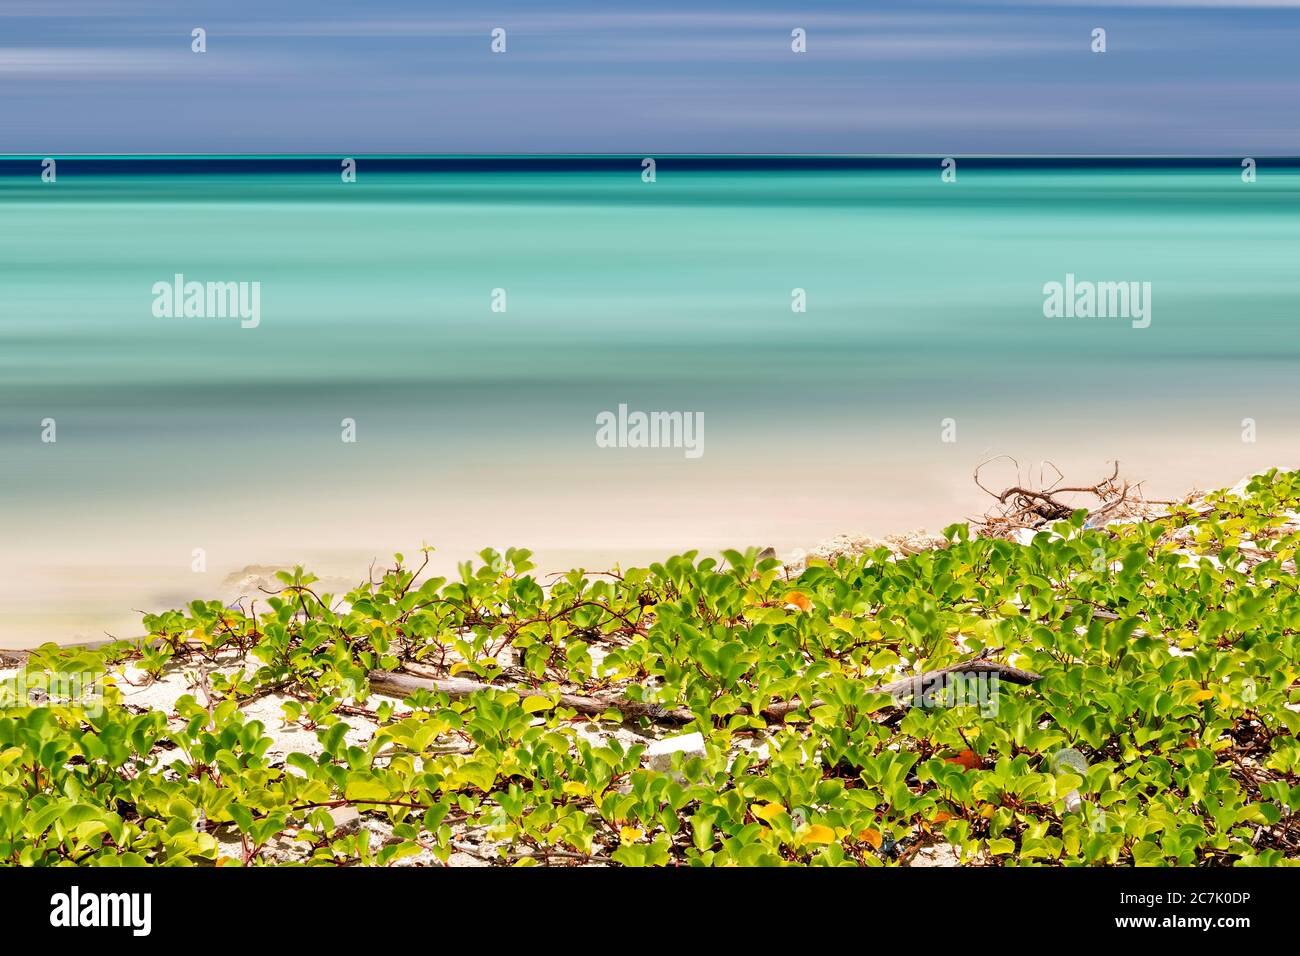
(652, 154)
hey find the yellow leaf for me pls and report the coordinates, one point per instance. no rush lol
(631, 834)
(535, 703)
(817, 833)
(1201, 695)
(575, 789)
(799, 600)
(769, 811)
(870, 836)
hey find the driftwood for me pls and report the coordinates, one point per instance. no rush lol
(398, 684)
(1030, 505)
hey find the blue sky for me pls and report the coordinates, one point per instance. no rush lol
(911, 76)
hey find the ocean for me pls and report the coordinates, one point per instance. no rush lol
(854, 336)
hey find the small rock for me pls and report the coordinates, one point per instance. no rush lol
(941, 854)
(761, 750)
(659, 755)
(346, 819)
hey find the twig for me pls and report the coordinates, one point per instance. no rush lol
(395, 683)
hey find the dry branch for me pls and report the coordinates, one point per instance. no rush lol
(1024, 505)
(399, 684)
(395, 684)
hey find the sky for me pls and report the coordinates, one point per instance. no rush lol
(1186, 77)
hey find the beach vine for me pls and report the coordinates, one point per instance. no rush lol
(511, 720)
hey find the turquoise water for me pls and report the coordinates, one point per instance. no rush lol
(475, 427)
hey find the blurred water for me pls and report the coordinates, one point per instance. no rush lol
(477, 428)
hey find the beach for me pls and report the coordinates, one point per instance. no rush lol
(922, 348)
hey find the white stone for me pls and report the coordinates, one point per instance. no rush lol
(941, 854)
(659, 755)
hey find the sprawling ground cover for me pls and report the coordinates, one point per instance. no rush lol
(1166, 656)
